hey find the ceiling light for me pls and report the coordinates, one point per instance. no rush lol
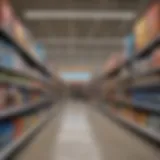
(78, 15)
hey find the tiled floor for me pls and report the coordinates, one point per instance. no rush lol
(82, 133)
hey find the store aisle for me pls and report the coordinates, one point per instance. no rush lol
(81, 132)
(75, 138)
(118, 143)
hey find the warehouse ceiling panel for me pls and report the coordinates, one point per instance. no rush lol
(79, 31)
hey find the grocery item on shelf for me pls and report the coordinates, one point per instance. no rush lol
(141, 118)
(153, 19)
(6, 16)
(19, 127)
(6, 133)
(154, 122)
(141, 34)
(129, 46)
(127, 112)
(41, 53)
(9, 57)
(14, 97)
(155, 59)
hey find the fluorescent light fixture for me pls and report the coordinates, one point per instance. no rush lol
(78, 15)
(75, 76)
(82, 41)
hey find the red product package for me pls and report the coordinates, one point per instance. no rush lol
(19, 127)
(6, 16)
(153, 20)
(155, 59)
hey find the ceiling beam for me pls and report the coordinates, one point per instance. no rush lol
(78, 15)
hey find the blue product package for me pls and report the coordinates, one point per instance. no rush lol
(7, 55)
(129, 46)
(40, 52)
(6, 133)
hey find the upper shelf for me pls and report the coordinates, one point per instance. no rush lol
(24, 52)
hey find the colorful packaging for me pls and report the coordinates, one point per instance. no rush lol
(40, 52)
(6, 16)
(141, 34)
(153, 19)
(9, 57)
(129, 45)
(155, 59)
(19, 127)
(6, 133)
(141, 118)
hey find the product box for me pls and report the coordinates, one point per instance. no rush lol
(9, 58)
(141, 118)
(40, 51)
(6, 133)
(15, 97)
(147, 28)
(6, 16)
(153, 19)
(155, 59)
(127, 113)
(141, 34)
(129, 45)
(19, 127)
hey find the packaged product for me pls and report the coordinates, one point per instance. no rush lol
(141, 118)
(6, 133)
(6, 16)
(141, 34)
(153, 19)
(19, 127)
(129, 46)
(15, 98)
(155, 58)
(40, 52)
(127, 113)
(9, 57)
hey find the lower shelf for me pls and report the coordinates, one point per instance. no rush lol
(147, 132)
(15, 145)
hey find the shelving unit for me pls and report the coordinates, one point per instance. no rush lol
(150, 133)
(130, 82)
(28, 89)
(10, 149)
(28, 108)
(24, 53)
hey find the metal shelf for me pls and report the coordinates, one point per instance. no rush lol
(24, 53)
(150, 133)
(18, 111)
(17, 144)
(140, 105)
(147, 106)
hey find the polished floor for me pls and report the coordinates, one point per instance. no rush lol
(79, 132)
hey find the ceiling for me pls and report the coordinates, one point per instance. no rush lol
(79, 42)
